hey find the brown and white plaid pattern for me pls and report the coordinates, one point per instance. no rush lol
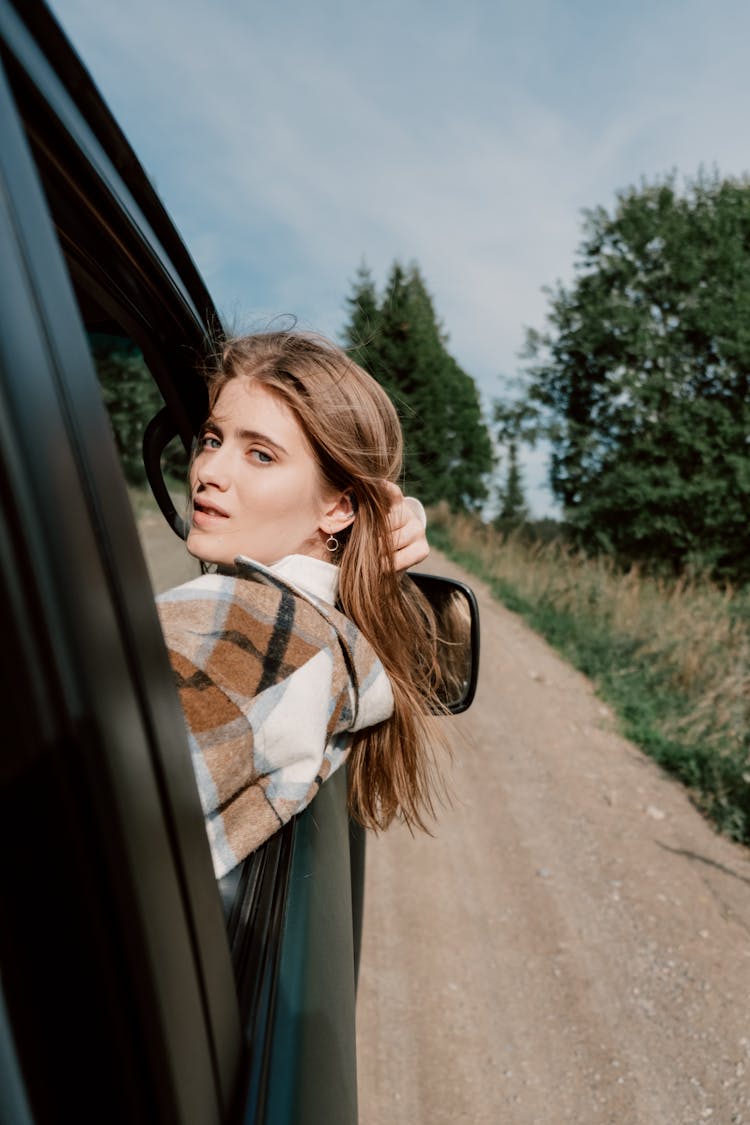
(272, 683)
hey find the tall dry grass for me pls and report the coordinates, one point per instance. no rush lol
(684, 643)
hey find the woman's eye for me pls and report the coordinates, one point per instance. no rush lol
(261, 456)
(209, 441)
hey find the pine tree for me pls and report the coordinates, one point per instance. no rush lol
(363, 327)
(471, 458)
(448, 453)
(513, 510)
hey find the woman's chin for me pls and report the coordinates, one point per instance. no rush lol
(201, 549)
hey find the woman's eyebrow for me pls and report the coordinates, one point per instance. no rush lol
(256, 435)
(211, 424)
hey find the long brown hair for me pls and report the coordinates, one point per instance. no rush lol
(354, 432)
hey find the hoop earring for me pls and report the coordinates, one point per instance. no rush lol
(332, 544)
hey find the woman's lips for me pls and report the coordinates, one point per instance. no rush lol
(206, 514)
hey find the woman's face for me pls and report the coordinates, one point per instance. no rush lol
(255, 485)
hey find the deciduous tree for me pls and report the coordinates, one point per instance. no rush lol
(641, 377)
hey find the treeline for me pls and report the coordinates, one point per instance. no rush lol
(641, 381)
(397, 337)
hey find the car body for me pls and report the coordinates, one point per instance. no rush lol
(133, 989)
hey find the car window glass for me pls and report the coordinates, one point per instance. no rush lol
(132, 399)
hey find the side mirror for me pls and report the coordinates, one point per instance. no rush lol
(457, 615)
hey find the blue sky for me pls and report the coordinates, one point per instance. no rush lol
(292, 140)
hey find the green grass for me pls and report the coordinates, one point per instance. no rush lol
(675, 673)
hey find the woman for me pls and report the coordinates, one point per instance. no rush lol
(291, 500)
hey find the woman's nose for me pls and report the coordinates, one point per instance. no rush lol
(211, 470)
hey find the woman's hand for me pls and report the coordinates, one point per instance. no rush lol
(408, 522)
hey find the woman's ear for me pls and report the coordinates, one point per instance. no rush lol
(339, 514)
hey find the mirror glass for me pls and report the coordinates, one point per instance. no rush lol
(457, 620)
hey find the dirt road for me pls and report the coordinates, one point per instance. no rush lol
(574, 943)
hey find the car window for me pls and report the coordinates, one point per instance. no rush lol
(132, 399)
(130, 390)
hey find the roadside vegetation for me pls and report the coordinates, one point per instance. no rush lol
(670, 656)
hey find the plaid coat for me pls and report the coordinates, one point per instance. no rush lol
(272, 682)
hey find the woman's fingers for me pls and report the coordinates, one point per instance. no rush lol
(408, 521)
